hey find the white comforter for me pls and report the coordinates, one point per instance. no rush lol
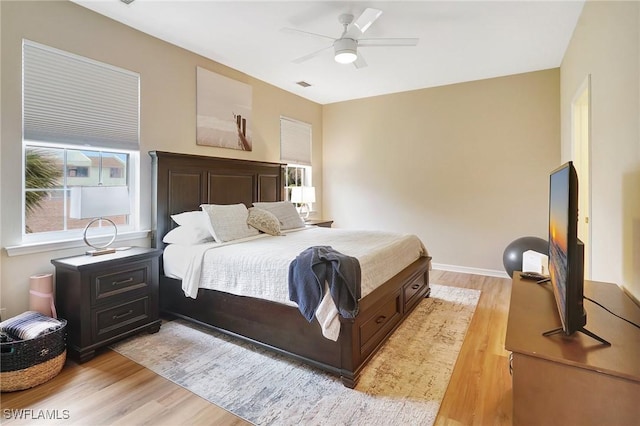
(259, 266)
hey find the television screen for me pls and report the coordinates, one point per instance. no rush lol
(566, 252)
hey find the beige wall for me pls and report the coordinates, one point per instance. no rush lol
(465, 166)
(167, 75)
(606, 45)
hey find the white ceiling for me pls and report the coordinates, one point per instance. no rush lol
(459, 40)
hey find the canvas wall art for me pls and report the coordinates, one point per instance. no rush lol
(223, 111)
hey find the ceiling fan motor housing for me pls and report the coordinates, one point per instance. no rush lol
(345, 50)
(345, 18)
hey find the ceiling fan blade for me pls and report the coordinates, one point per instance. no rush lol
(311, 55)
(301, 32)
(360, 62)
(380, 42)
(368, 17)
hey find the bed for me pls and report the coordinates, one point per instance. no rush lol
(182, 183)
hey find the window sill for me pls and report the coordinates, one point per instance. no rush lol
(32, 248)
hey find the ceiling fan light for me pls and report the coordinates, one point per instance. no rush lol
(346, 57)
(345, 50)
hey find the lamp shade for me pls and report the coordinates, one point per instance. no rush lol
(98, 201)
(303, 194)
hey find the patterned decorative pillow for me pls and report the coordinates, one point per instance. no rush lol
(285, 211)
(228, 221)
(264, 221)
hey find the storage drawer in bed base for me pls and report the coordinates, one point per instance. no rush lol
(415, 291)
(380, 323)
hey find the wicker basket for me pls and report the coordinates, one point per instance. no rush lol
(28, 363)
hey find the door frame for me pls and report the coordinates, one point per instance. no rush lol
(581, 110)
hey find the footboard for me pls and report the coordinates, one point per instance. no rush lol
(274, 326)
(381, 313)
(284, 330)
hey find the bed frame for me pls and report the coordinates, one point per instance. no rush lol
(181, 183)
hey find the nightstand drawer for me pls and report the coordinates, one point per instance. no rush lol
(119, 280)
(115, 320)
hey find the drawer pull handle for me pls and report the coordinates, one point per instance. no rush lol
(118, 316)
(128, 280)
(380, 319)
(415, 286)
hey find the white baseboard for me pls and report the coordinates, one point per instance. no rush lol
(468, 270)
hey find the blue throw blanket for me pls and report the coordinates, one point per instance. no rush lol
(308, 273)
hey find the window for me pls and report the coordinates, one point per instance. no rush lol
(296, 175)
(295, 150)
(80, 128)
(115, 172)
(78, 171)
(50, 174)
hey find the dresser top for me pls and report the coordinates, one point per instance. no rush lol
(533, 311)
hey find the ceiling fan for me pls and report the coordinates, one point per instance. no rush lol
(346, 46)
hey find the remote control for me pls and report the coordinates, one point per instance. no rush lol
(532, 276)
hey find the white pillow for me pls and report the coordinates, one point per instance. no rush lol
(196, 218)
(264, 221)
(285, 211)
(188, 236)
(228, 222)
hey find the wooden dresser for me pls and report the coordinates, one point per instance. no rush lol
(560, 380)
(106, 298)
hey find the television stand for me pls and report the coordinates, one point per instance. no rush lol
(574, 381)
(581, 330)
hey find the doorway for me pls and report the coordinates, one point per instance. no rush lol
(580, 153)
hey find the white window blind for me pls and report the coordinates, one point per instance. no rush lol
(75, 100)
(295, 142)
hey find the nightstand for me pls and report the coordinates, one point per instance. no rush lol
(107, 298)
(319, 222)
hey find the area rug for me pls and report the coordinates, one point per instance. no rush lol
(403, 384)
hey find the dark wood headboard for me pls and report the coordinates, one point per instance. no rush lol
(181, 182)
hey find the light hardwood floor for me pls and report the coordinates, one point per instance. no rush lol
(111, 389)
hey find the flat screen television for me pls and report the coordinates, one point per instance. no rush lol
(566, 252)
